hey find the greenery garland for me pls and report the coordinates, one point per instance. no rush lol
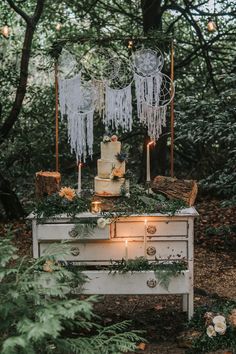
(139, 202)
(163, 270)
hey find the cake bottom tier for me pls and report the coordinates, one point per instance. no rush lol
(109, 188)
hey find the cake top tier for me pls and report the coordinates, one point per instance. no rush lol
(110, 148)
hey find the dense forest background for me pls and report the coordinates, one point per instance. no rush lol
(205, 81)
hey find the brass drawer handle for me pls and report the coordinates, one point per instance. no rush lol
(151, 283)
(75, 251)
(151, 251)
(151, 229)
(73, 233)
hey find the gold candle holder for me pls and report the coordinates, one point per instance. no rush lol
(96, 207)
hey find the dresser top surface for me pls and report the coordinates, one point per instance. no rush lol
(187, 212)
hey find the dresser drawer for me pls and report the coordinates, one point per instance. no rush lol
(154, 228)
(145, 282)
(102, 252)
(65, 231)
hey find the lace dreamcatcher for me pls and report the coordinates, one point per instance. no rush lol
(154, 90)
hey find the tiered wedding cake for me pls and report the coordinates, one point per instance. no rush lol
(111, 169)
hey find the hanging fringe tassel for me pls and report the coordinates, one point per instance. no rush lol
(118, 108)
(155, 118)
(69, 94)
(150, 113)
(80, 134)
(99, 86)
(80, 124)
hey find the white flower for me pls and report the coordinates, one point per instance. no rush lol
(220, 327)
(218, 318)
(108, 221)
(101, 223)
(211, 331)
(106, 139)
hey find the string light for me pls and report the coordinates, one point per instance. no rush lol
(5, 31)
(211, 26)
(130, 44)
(58, 26)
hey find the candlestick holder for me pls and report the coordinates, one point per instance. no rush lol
(96, 207)
(148, 187)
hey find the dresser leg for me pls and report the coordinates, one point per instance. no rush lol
(190, 305)
(185, 302)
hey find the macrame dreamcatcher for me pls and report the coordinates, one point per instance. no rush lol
(154, 90)
(100, 66)
(118, 98)
(118, 108)
(77, 102)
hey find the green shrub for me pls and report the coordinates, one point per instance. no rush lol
(36, 318)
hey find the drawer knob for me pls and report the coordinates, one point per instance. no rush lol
(75, 251)
(151, 251)
(151, 229)
(151, 283)
(73, 233)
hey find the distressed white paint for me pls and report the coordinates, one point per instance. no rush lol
(172, 239)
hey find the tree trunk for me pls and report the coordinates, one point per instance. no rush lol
(151, 10)
(9, 200)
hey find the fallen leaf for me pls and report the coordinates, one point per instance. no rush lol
(141, 346)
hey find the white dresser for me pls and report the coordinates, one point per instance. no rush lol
(154, 236)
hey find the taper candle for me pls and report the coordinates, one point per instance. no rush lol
(145, 238)
(126, 250)
(79, 178)
(148, 177)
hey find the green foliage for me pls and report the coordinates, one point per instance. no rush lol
(202, 318)
(55, 205)
(205, 117)
(138, 203)
(41, 314)
(163, 270)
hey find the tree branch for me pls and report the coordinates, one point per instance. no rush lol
(20, 12)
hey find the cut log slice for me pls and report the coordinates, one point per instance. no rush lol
(174, 188)
(47, 183)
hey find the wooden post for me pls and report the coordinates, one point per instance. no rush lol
(56, 116)
(172, 113)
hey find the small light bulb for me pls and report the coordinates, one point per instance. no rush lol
(58, 26)
(211, 26)
(130, 44)
(5, 31)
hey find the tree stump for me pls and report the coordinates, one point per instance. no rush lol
(47, 183)
(174, 188)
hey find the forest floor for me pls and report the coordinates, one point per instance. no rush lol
(161, 316)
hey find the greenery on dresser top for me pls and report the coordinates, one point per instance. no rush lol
(53, 205)
(163, 270)
(138, 202)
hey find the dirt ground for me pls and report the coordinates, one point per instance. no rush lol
(161, 316)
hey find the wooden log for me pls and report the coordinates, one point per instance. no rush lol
(47, 183)
(174, 188)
